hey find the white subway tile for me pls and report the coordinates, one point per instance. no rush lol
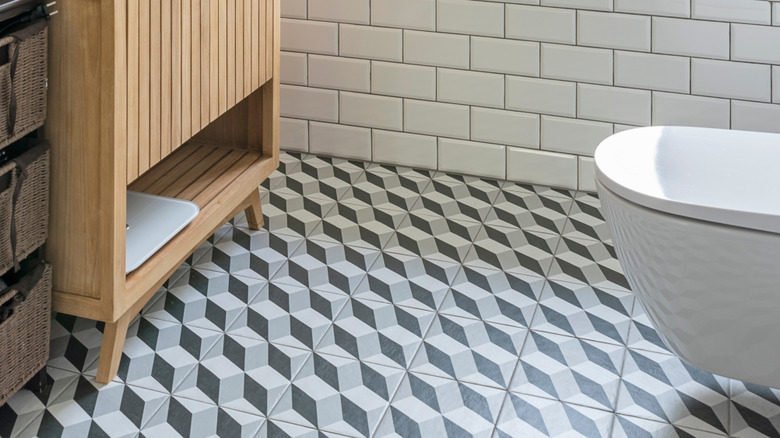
(682, 110)
(342, 11)
(653, 72)
(470, 88)
(704, 39)
(340, 140)
(435, 118)
(775, 14)
(309, 36)
(370, 42)
(403, 80)
(614, 31)
(408, 14)
(505, 127)
(293, 68)
(573, 136)
(309, 103)
(373, 111)
(541, 167)
(612, 104)
(755, 43)
(541, 96)
(620, 128)
(400, 148)
(674, 8)
(738, 80)
(751, 116)
(587, 175)
(602, 5)
(505, 56)
(577, 63)
(472, 158)
(430, 48)
(342, 73)
(541, 24)
(775, 84)
(293, 9)
(293, 134)
(758, 12)
(470, 17)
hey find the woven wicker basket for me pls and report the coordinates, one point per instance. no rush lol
(24, 335)
(23, 82)
(24, 205)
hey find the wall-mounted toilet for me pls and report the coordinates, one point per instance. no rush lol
(695, 218)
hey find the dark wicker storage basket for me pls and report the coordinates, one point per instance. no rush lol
(24, 203)
(25, 318)
(23, 81)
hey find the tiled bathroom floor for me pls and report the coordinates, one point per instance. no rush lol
(384, 301)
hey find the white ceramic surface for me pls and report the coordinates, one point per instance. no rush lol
(153, 221)
(722, 176)
(709, 289)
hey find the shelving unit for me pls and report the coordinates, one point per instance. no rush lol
(178, 98)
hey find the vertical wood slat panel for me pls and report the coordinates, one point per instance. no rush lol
(155, 93)
(132, 90)
(205, 62)
(166, 67)
(269, 35)
(222, 85)
(176, 70)
(231, 54)
(187, 36)
(214, 59)
(195, 89)
(256, 42)
(144, 85)
(239, 50)
(247, 67)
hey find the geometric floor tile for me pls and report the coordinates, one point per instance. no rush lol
(340, 395)
(531, 212)
(428, 406)
(406, 280)
(457, 197)
(377, 332)
(436, 238)
(528, 416)
(587, 222)
(387, 189)
(590, 261)
(513, 250)
(631, 427)
(381, 300)
(493, 296)
(570, 369)
(576, 309)
(470, 350)
(359, 225)
(664, 388)
(755, 410)
(327, 266)
(290, 315)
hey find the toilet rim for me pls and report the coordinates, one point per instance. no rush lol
(715, 175)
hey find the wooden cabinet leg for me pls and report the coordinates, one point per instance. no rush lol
(111, 351)
(254, 213)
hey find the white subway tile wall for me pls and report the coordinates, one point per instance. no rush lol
(519, 89)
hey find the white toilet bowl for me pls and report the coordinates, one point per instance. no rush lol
(695, 218)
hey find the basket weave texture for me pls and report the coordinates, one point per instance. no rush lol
(24, 337)
(23, 86)
(26, 223)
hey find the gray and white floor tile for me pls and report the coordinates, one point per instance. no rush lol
(386, 301)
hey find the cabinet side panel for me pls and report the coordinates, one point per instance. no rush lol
(88, 137)
(132, 91)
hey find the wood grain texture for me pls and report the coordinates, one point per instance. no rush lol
(123, 74)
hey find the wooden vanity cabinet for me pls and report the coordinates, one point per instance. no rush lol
(171, 97)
